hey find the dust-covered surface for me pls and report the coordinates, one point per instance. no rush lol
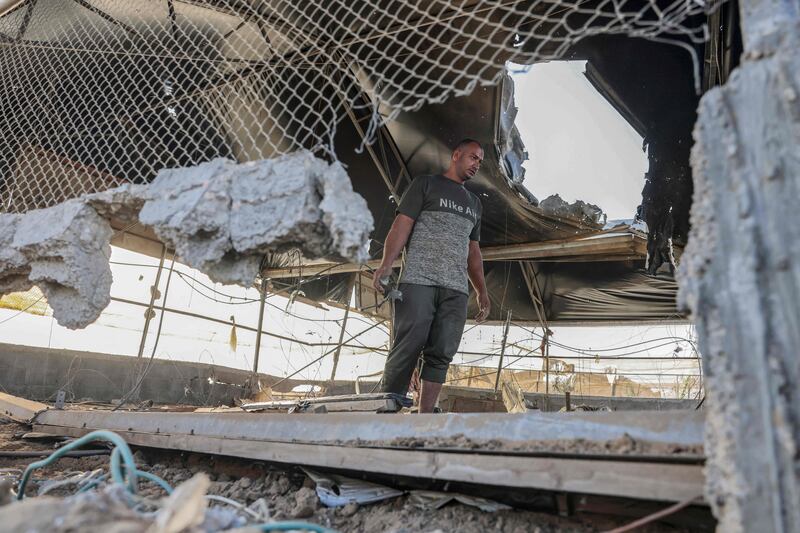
(281, 494)
(741, 279)
(63, 250)
(624, 445)
(220, 217)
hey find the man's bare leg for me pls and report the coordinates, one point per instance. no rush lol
(429, 396)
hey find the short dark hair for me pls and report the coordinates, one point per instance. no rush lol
(464, 142)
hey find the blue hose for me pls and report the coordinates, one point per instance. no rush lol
(122, 461)
(103, 435)
(117, 466)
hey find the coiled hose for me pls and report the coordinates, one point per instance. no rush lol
(122, 463)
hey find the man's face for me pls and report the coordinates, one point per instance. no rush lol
(468, 161)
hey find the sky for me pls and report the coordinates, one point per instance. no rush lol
(579, 147)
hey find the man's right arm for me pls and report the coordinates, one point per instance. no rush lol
(395, 241)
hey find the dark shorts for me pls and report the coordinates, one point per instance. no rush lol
(429, 321)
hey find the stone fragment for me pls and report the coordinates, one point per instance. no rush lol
(306, 503)
(578, 210)
(220, 217)
(64, 251)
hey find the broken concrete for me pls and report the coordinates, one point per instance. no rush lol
(577, 210)
(741, 279)
(64, 251)
(509, 142)
(220, 217)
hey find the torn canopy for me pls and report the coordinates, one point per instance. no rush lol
(574, 289)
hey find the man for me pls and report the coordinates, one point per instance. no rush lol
(440, 220)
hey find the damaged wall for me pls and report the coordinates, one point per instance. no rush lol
(741, 279)
(220, 217)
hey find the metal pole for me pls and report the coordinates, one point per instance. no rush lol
(502, 350)
(547, 369)
(341, 340)
(260, 323)
(148, 315)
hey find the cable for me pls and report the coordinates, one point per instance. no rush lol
(561, 345)
(21, 310)
(122, 462)
(155, 343)
(116, 466)
(183, 276)
(674, 340)
(124, 454)
(321, 357)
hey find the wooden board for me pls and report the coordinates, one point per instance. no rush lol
(641, 480)
(19, 409)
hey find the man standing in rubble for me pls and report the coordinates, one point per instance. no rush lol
(440, 220)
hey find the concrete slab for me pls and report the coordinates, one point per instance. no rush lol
(676, 427)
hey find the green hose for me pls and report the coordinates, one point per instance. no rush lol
(122, 461)
(102, 435)
(117, 466)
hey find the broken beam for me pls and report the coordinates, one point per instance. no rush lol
(19, 409)
(372, 443)
(589, 249)
(637, 479)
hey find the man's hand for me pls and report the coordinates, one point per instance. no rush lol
(380, 273)
(395, 240)
(485, 306)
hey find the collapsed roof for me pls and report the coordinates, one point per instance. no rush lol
(106, 115)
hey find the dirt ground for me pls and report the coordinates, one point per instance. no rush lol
(290, 494)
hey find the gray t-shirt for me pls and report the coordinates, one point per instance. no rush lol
(447, 216)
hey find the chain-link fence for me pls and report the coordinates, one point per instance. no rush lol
(96, 93)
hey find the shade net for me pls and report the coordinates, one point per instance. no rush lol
(98, 93)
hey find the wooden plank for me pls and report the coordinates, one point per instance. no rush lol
(20, 409)
(641, 480)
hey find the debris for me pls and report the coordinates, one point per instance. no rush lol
(349, 510)
(64, 251)
(338, 491)
(184, 508)
(577, 210)
(306, 503)
(6, 494)
(428, 499)
(220, 217)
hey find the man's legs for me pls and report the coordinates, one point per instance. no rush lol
(443, 340)
(429, 396)
(413, 317)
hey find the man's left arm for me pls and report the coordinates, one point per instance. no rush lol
(475, 271)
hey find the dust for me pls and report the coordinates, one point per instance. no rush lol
(624, 445)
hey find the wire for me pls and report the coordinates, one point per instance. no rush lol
(636, 524)
(590, 352)
(245, 300)
(124, 454)
(321, 357)
(155, 343)
(22, 310)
